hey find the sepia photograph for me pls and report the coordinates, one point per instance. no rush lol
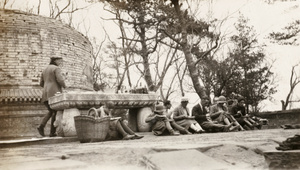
(150, 84)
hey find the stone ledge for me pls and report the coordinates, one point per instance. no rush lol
(86, 100)
(36, 141)
(283, 159)
(184, 159)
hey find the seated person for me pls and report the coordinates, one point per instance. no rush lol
(118, 129)
(182, 118)
(160, 122)
(219, 113)
(182, 130)
(238, 111)
(202, 116)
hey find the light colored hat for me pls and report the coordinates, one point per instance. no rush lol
(221, 99)
(184, 99)
(159, 109)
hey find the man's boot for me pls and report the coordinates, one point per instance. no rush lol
(41, 130)
(52, 131)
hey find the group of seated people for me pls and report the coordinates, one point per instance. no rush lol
(204, 117)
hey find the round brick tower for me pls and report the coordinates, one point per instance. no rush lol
(27, 42)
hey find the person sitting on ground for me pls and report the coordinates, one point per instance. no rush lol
(182, 130)
(181, 116)
(118, 128)
(238, 111)
(202, 116)
(219, 113)
(160, 123)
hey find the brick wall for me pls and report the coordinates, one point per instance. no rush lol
(278, 118)
(21, 120)
(27, 42)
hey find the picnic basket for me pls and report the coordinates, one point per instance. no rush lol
(91, 127)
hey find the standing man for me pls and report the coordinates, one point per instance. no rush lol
(52, 82)
(202, 116)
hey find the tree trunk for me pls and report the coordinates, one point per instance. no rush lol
(187, 53)
(282, 105)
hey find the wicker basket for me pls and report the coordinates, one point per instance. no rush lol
(91, 127)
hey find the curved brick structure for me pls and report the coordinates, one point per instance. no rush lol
(27, 42)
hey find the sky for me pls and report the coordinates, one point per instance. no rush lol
(264, 17)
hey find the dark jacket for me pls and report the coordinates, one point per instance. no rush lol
(199, 113)
(238, 111)
(52, 81)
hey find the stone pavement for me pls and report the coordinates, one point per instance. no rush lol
(234, 150)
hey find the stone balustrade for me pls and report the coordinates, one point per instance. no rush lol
(86, 100)
(76, 103)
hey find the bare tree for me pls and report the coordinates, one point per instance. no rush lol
(4, 3)
(141, 19)
(181, 76)
(294, 81)
(39, 7)
(57, 9)
(188, 25)
(98, 68)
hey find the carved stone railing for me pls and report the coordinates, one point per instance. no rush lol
(86, 100)
(75, 103)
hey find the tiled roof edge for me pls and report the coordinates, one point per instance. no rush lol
(20, 95)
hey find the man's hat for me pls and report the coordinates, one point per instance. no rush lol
(221, 99)
(55, 58)
(240, 99)
(159, 109)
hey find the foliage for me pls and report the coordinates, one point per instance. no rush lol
(288, 35)
(243, 71)
(253, 79)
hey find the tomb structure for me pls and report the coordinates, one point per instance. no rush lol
(27, 42)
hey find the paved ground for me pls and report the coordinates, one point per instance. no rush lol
(234, 150)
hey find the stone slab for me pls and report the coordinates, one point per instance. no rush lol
(86, 100)
(180, 160)
(8, 160)
(289, 159)
(36, 141)
(44, 164)
(202, 148)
